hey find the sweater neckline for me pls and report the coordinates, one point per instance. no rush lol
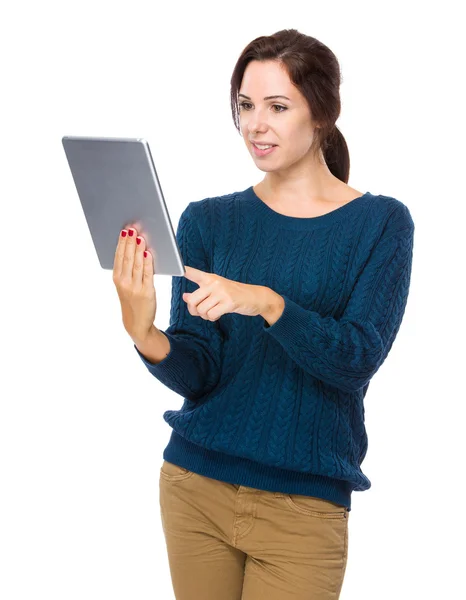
(276, 218)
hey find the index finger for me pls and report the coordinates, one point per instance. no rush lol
(120, 252)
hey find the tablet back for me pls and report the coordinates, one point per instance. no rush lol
(118, 186)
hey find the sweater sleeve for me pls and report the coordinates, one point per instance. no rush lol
(192, 367)
(348, 351)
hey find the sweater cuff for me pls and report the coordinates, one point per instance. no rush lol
(173, 366)
(293, 319)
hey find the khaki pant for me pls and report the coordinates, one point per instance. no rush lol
(232, 542)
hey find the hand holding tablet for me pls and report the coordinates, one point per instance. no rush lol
(133, 277)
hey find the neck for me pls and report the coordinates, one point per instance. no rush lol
(303, 189)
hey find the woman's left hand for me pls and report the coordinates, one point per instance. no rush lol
(217, 295)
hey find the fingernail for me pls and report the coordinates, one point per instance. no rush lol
(130, 232)
(123, 233)
(145, 254)
(138, 240)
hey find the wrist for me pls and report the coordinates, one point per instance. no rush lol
(144, 339)
(155, 346)
(273, 306)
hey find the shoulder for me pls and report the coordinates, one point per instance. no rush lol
(214, 206)
(393, 211)
(208, 215)
(215, 201)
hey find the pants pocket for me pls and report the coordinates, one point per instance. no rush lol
(315, 507)
(171, 472)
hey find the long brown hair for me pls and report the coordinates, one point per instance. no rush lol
(314, 69)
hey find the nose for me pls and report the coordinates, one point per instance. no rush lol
(257, 121)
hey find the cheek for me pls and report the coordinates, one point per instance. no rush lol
(302, 138)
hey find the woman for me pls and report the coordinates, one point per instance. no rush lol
(294, 292)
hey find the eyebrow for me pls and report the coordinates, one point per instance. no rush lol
(266, 97)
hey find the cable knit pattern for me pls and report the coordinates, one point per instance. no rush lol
(281, 407)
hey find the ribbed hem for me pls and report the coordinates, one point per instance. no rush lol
(242, 471)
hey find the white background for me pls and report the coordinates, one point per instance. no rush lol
(81, 427)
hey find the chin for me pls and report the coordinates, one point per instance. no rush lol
(265, 168)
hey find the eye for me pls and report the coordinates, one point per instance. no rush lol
(242, 105)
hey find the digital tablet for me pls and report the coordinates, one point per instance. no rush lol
(118, 187)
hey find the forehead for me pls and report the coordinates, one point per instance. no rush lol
(265, 79)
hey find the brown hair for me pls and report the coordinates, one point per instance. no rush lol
(314, 69)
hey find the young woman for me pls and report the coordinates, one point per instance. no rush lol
(295, 289)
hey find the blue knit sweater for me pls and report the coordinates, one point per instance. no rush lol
(281, 407)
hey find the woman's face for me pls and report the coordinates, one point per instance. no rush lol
(286, 122)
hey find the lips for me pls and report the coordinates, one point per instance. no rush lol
(258, 152)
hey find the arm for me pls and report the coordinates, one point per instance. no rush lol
(192, 366)
(155, 347)
(275, 305)
(347, 352)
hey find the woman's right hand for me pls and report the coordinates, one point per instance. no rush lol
(133, 276)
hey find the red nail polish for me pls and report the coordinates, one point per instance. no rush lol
(123, 233)
(145, 254)
(130, 232)
(138, 240)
